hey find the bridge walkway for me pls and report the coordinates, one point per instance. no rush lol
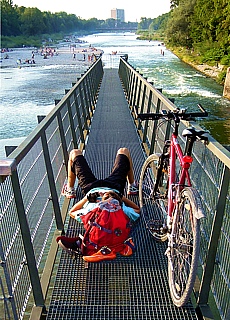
(134, 287)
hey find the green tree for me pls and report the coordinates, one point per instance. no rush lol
(9, 19)
(160, 22)
(91, 24)
(144, 23)
(179, 25)
(48, 21)
(214, 26)
(174, 3)
(203, 25)
(32, 22)
(109, 23)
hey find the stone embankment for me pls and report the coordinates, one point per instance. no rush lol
(213, 72)
(226, 92)
(209, 71)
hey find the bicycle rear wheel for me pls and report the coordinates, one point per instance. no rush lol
(154, 204)
(183, 252)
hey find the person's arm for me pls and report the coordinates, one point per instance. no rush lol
(131, 204)
(79, 205)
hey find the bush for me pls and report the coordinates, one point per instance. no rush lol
(213, 55)
(20, 41)
(222, 76)
(225, 60)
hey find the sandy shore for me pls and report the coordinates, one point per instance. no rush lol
(23, 57)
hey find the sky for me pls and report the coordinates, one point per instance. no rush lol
(101, 9)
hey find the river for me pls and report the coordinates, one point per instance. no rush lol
(31, 90)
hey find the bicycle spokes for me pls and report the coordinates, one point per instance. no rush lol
(183, 251)
(153, 198)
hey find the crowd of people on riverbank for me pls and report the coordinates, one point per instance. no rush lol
(64, 54)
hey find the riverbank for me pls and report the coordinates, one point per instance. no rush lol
(30, 57)
(216, 72)
(210, 71)
(213, 70)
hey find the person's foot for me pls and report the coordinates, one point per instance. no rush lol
(68, 192)
(102, 255)
(128, 249)
(133, 188)
(68, 244)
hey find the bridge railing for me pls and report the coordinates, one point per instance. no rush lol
(112, 60)
(210, 174)
(31, 178)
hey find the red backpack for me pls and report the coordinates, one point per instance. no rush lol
(106, 225)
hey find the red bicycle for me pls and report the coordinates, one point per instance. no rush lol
(171, 207)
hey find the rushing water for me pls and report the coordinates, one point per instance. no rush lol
(178, 80)
(30, 91)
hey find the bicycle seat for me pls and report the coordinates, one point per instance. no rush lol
(193, 132)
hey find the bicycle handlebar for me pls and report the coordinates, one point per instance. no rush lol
(175, 114)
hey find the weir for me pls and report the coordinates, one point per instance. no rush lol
(38, 280)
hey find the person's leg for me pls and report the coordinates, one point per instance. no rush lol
(68, 189)
(71, 174)
(132, 184)
(122, 172)
(130, 174)
(78, 167)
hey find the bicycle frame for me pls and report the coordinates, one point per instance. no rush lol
(185, 162)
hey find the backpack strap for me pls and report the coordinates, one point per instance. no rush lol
(86, 234)
(130, 244)
(95, 224)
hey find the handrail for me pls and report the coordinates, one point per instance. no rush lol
(210, 173)
(32, 211)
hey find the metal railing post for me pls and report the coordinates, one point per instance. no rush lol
(147, 122)
(89, 91)
(9, 297)
(213, 243)
(143, 98)
(72, 128)
(84, 103)
(133, 102)
(131, 88)
(52, 186)
(153, 139)
(63, 140)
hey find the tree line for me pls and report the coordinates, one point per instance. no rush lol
(26, 21)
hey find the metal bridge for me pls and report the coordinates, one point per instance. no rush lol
(38, 280)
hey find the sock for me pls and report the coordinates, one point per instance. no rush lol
(133, 184)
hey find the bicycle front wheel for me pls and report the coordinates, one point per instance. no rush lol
(153, 202)
(183, 252)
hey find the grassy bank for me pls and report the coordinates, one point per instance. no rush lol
(35, 41)
(23, 41)
(150, 35)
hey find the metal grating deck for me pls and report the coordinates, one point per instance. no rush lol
(133, 287)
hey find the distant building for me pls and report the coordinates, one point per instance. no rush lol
(118, 14)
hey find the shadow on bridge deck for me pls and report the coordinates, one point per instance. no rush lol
(126, 288)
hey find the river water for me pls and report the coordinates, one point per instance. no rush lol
(31, 90)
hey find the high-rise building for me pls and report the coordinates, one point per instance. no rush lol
(118, 14)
